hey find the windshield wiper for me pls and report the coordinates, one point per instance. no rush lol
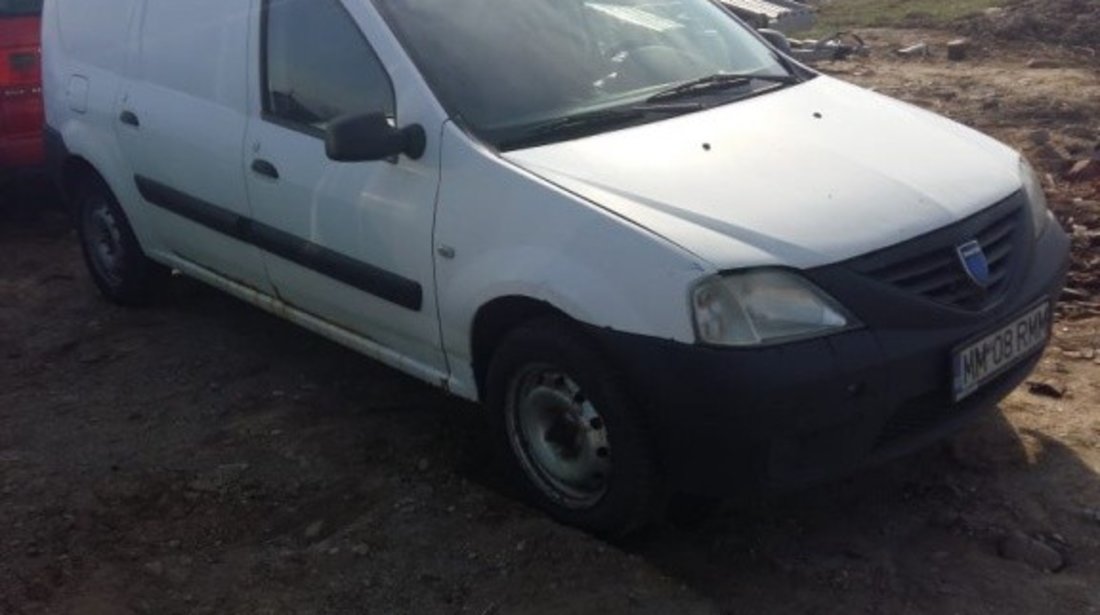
(717, 81)
(594, 121)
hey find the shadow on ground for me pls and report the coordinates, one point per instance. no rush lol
(928, 533)
(204, 457)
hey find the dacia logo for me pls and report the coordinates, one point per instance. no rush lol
(974, 263)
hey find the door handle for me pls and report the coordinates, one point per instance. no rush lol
(129, 118)
(265, 168)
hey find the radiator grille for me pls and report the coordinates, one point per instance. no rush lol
(931, 266)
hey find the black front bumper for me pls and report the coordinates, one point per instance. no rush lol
(784, 416)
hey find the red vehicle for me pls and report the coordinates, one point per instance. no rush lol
(20, 87)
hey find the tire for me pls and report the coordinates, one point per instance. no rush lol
(112, 253)
(568, 432)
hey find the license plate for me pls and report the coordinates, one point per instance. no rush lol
(985, 359)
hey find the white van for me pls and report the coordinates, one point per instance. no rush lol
(667, 257)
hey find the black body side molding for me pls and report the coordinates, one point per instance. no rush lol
(383, 284)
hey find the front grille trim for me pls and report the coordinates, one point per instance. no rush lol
(928, 266)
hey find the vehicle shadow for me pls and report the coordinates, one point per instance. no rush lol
(31, 205)
(926, 533)
(921, 534)
(204, 387)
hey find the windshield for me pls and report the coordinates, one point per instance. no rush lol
(505, 66)
(20, 8)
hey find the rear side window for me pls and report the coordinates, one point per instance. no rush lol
(197, 47)
(94, 32)
(318, 66)
(20, 8)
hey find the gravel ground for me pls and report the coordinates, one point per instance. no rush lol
(203, 457)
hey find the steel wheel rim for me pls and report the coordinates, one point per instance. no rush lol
(103, 239)
(559, 436)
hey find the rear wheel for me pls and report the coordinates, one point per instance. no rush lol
(572, 438)
(114, 257)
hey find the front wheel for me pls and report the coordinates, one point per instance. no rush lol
(576, 444)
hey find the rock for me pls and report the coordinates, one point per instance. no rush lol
(1075, 294)
(314, 530)
(179, 574)
(37, 591)
(1084, 170)
(228, 474)
(1084, 354)
(918, 50)
(1020, 547)
(1041, 63)
(1083, 133)
(155, 568)
(1053, 156)
(89, 358)
(1039, 137)
(1047, 388)
(958, 49)
(405, 504)
(945, 519)
(202, 485)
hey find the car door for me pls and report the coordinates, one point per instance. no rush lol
(181, 119)
(350, 243)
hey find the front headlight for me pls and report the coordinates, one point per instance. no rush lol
(1036, 198)
(763, 306)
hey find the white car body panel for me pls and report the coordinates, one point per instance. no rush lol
(613, 230)
(192, 118)
(87, 125)
(514, 235)
(378, 213)
(780, 186)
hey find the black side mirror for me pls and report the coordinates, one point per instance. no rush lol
(363, 138)
(776, 38)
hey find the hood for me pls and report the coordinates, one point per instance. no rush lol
(806, 176)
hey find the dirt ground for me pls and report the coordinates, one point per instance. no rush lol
(203, 457)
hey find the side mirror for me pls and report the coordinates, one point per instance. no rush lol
(776, 38)
(369, 137)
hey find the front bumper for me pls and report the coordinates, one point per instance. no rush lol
(785, 416)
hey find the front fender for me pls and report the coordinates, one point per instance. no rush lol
(514, 235)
